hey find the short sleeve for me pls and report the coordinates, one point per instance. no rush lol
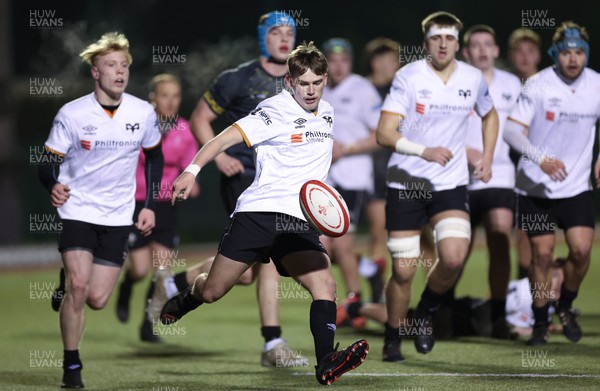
(259, 126)
(484, 103)
(524, 110)
(222, 92)
(61, 135)
(398, 100)
(151, 135)
(371, 107)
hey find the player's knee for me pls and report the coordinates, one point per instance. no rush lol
(401, 274)
(246, 278)
(78, 288)
(452, 227)
(543, 257)
(580, 254)
(404, 248)
(210, 295)
(138, 272)
(97, 301)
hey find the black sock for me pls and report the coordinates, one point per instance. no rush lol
(181, 281)
(354, 309)
(523, 272)
(540, 315)
(71, 360)
(391, 333)
(322, 326)
(429, 301)
(270, 333)
(566, 298)
(498, 309)
(448, 297)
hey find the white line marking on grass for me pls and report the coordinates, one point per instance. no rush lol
(551, 375)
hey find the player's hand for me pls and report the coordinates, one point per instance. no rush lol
(597, 173)
(146, 221)
(182, 187)
(59, 194)
(474, 156)
(439, 155)
(228, 165)
(483, 170)
(195, 190)
(554, 168)
(337, 151)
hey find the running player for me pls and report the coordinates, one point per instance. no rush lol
(524, 47)
(430, 102)
(492, 203)
(234, 94)
(284, 164)
(146, 252)
(553, 125)
(99, 135)
(357, 104)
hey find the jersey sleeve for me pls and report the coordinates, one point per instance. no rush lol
(398, 99)
(222, 92)
(371, 107)
(260, 125)
(151, 135)
(524, 110)
(484, 103)
(61, 135)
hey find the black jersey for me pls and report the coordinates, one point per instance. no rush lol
(236, 92)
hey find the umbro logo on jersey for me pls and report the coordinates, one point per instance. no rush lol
(554, 102)
(464, 93)
(132, 127)
(89, 128)
(296, 138)
(420, 108)
(300, 123)
(329, 120)
(424, 94)
(85, 144)
(346, 100)
(549, 116)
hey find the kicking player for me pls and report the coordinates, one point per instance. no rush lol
(284, 164)
(357, 104)
(492, 203)
(553, 125)
(234, 94)
(152, 252)
(430, 102)
(99, 137)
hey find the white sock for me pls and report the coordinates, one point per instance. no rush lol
(171, 288)
(366, 267)
(271, 344)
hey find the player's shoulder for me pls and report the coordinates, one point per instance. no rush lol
(78, 105)
(240, 71)
(412, 69)
(592, 74)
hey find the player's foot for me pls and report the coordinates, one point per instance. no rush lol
(281, 356)
(359, 322)
(159, 297)
(539, 336)
(424, 339)
(72, 379)
(501, 330)
(147, 332)
(123, 300)
(571, 328)
(391, 351)
(59, 293)
(176, 307)
(335, 364)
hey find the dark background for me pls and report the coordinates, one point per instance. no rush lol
(213, 35)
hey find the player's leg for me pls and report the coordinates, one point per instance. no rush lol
(523, 254)
(498, 227)
(136, 268)
(377, 245)
(311, 268)
(540, 281)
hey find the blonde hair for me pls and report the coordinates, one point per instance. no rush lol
(109, 42)
(163, 78)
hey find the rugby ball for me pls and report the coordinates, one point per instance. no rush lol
(324, 208)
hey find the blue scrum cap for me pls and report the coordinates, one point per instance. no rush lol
(267, 22)
(572, 40)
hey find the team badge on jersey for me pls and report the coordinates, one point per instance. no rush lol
(329, 120)
(132, 127)
(464, 93)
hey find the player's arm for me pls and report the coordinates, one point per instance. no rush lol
(366, 145)
(153, 171)
(227, 138)
(48, 174)
(388, 137)
(489, 128)
(515, 135)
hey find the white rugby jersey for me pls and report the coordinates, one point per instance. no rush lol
(291, 146)
(505, 88)
(357, 105)
(434, 114)
(561, 120)
(100, 157)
